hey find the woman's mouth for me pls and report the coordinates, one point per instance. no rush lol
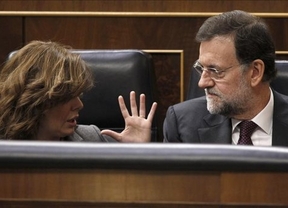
(72, 121)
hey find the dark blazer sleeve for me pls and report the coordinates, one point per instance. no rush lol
(170, 129)
(183, 121)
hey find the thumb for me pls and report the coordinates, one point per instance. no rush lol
(112, 134)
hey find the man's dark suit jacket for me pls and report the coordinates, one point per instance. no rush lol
(190, 122)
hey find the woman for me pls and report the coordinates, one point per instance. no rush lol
(40, 89)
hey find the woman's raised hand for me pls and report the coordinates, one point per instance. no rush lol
(137, 126)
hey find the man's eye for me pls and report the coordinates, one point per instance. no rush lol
(215, 71)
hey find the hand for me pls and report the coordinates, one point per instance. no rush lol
(137, 127)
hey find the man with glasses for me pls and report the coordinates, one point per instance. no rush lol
(236, 64)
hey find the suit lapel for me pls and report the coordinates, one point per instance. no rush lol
(218, 130)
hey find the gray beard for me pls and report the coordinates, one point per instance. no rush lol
(224, 109)
(233, 107)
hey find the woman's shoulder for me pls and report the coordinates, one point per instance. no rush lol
(87, 133)
(87, 128)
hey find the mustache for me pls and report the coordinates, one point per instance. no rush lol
(211, 91)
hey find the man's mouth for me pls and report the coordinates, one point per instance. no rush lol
(210, 93)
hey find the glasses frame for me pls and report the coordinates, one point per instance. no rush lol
(214, 73)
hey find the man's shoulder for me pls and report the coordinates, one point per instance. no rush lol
(195, 103)
(189, 108)
(278, 95)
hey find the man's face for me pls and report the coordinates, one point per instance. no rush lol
(230, 94)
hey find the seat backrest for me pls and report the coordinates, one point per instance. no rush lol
(280, 83)
(116, 72)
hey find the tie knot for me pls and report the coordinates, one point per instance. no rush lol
(246, 130)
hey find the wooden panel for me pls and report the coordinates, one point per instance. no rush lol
(10, 35)
(279, 31)
(65, 204)
(110, 186)
(144, 5)
(169, 83)
(255, 188)
(62, 173)
(121, 188)
(116, 32)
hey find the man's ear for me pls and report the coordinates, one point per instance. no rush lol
(257, 72)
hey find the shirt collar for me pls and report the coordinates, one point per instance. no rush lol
(262, 119)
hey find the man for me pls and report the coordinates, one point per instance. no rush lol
(236, 63)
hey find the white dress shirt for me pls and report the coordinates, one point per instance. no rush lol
(262, 136)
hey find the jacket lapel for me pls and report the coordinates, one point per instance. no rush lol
(218, 130)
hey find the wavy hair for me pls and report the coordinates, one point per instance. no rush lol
(36, 78)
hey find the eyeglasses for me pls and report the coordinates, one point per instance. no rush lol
(213, 72)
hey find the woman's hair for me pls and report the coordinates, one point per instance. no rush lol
(252, 38)
(34, 79)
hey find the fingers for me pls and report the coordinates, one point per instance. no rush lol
(112, 134)
(142, 105)
(133, 104)
(123, 107)
(134, 107)
(152, 112)
(142, 109)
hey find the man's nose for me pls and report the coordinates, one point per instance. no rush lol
(205, 80)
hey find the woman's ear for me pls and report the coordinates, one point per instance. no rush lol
(257, 73)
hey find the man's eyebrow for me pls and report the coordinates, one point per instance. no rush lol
(211, 66)
(216, 66)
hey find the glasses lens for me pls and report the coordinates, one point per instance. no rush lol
(213, 73)
(198, 67)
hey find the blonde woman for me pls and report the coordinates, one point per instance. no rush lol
(40, 88)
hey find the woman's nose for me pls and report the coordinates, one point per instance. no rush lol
(77, 103)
